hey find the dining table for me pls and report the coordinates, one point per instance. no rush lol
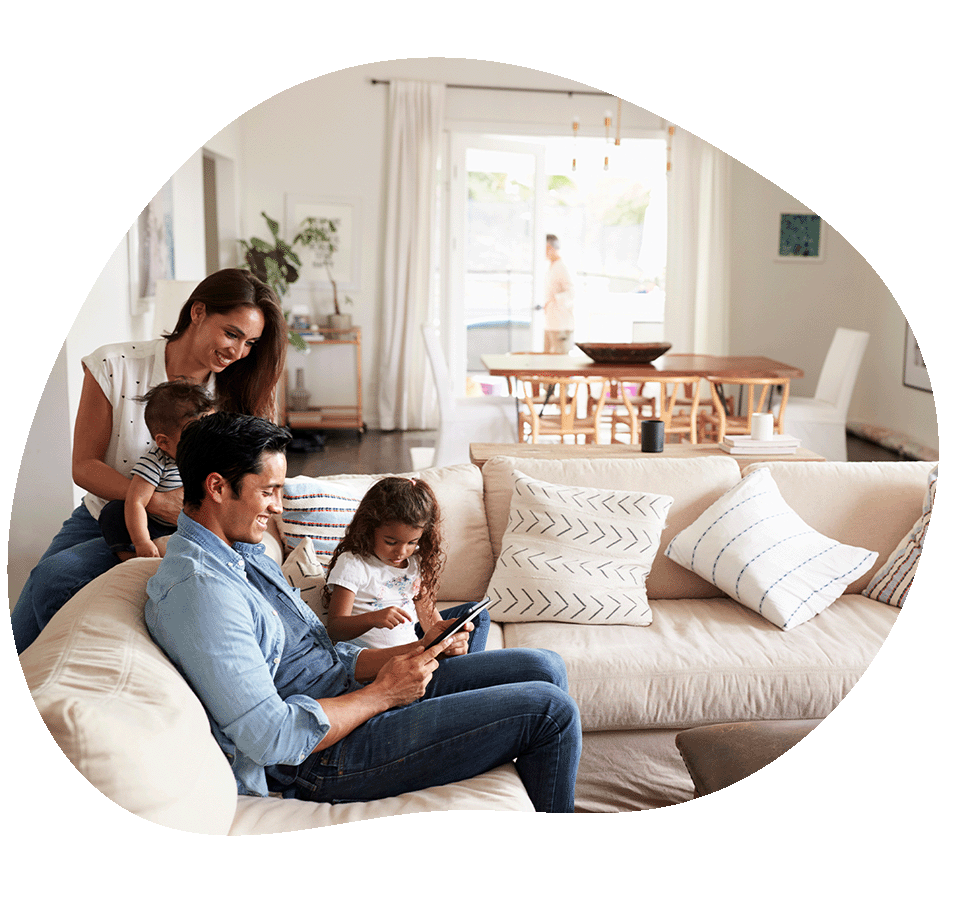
(517, 365)
(707, 365)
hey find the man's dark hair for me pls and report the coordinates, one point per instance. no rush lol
(171, 403)
(227, 443)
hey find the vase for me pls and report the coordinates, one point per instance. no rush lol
(340, 321)
(299, 395)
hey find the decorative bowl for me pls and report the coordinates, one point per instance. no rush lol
(632, 354)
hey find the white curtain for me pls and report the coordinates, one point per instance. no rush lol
(696, 301)
(406, 397)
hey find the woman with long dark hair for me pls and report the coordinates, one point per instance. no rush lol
(230, 338)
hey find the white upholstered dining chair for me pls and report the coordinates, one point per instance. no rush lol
(464, 420)
(821, 421)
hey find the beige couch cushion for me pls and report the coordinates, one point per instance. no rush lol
(865, 504)
(122, 714)
(459, 493)
(693, 483)
(499, 790)
(711, 660)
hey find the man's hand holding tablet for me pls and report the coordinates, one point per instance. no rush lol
(459, 623)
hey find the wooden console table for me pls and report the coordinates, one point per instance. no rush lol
(326, 416)
(480, 453)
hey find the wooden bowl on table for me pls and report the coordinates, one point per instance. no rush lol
(634, 354)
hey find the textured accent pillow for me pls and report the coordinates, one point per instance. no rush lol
(317, 510)
(577, 554)
(760, 552)
(892, 580)
(303, 570)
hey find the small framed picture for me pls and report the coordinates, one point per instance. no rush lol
(915, 373)
(800, 238)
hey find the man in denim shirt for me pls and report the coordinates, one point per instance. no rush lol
(333, 722)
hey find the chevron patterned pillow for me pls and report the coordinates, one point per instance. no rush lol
(577, 554)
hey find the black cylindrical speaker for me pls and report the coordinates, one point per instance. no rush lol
(653, 435)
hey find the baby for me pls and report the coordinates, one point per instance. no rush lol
(127, 527)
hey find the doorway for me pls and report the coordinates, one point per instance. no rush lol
(607, 204)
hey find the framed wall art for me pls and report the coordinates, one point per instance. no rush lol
(346, 262)
(800, 238)
(151, 250)
(915, 373)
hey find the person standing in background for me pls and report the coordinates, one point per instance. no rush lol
(560, 294)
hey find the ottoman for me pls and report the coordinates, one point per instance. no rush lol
(717, 756)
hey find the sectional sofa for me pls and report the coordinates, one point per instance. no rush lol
(641, 574)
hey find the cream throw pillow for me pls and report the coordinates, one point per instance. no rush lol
(304, 570)
(577, 554)
(760, 552)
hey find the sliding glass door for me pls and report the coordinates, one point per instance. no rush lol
(496, 250)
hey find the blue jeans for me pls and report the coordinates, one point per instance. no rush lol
(481, 626)
(112, 523)
(478, 712)
(76, 556)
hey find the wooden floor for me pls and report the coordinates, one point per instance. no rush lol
(379, 452)
(349, 452)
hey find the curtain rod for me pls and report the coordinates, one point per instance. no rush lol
(490, 87)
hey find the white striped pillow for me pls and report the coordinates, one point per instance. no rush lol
(892, 580)
(318, 510)
(754, 547)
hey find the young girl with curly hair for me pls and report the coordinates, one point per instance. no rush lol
(383, 575)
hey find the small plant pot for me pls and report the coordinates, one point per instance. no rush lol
(341, 322)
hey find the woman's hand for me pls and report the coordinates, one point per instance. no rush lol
(388, 617)
(166, 505)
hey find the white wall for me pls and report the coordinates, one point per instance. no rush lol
(45, 495)
(789, 310)
(42, 503)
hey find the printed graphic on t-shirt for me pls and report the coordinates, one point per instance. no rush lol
(398, 590)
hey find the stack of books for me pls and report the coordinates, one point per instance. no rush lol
(745, 445)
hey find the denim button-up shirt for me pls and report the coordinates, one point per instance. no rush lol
(250, 648)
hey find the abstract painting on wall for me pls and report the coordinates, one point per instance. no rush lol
(800, 237)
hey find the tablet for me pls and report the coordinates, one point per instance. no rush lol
(459, 623)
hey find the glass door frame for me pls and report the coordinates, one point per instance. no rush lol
(453, 326)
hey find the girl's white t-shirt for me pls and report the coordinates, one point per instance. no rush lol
(376, 585)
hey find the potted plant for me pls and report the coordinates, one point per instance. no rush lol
(320, 235)
(277, 265)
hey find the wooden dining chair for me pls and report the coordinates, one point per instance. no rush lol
(559, 416)
(623, 407)
(676, 405)
(723, 422)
